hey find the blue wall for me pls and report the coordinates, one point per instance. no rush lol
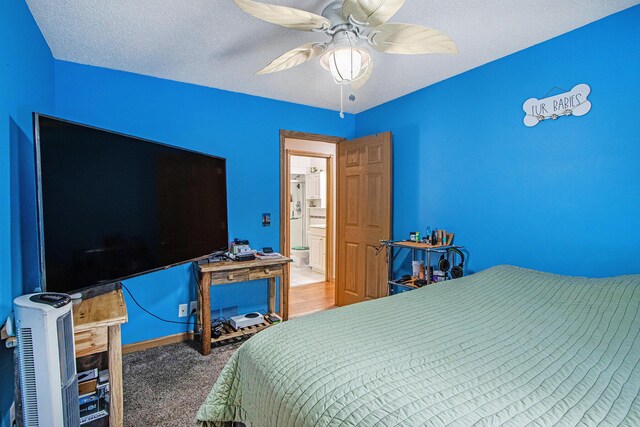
(26, 84)
(563, 196)
(242, 128)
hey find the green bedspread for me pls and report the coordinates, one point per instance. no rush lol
(506, 346)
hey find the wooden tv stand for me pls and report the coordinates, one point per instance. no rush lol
(228, 272)
(96, 328)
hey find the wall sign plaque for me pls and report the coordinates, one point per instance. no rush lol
(572, 103)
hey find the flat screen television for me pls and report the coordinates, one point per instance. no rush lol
(112, 206)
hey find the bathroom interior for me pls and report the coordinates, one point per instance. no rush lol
(308, 220)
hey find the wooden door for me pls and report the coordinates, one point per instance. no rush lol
(363, 217)
(323, 257)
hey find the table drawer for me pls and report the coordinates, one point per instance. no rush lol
(230, 276)
(91, 341)
(265, 272)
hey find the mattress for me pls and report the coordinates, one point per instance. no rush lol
(505, 346)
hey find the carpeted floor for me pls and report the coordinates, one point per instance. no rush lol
(165, 386)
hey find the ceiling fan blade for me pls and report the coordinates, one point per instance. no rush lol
(292, 58)
(357, 84)
(285, 16)
(410, 39)
(371, 12)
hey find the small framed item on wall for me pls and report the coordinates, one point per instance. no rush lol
(571, 103)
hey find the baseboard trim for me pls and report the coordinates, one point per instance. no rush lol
(157, 342)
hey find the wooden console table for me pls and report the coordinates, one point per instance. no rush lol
(96, 328)
(227, 272)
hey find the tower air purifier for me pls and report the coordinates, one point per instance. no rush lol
(46, 360)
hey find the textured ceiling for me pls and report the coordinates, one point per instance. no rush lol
(214, 43)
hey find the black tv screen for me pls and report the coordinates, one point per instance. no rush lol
(113, 206)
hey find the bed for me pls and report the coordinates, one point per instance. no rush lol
(505, 346)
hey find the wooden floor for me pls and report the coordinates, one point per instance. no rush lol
(306, 299)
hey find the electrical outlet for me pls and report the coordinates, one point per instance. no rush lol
(193, 307)
(182, 310)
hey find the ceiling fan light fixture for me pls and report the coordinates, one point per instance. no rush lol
(346, 64)
(349, 23)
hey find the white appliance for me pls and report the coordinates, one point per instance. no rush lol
(46, 360)
(246, 320)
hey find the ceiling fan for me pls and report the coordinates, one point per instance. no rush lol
(352, 25)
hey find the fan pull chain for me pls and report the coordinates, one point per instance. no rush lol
(341, 103)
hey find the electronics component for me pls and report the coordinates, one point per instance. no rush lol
(94, 395)
(243, 257)
(87, 375)
(103, 376)
(94, 405)
(216, 332)
(273, 318)
(108, 251)
(215, 257)
(239, 250)
(246, 320)
(239, 246)
(218, 327)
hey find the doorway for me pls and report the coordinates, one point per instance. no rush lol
(308, 164)
(308, 218)
(358, 216)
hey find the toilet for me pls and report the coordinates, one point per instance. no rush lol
(300, 256)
